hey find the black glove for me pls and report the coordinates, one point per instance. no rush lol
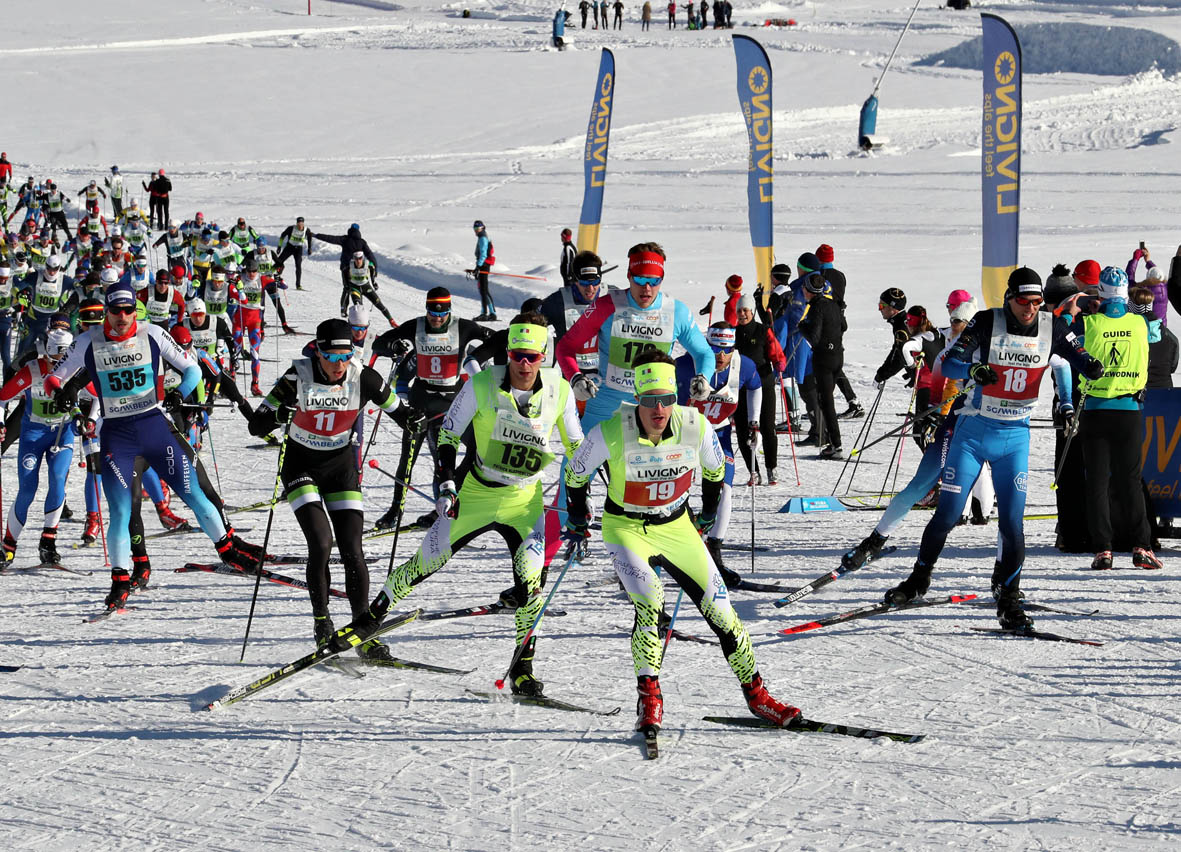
(1094, 369)
(577, 534)
(173, 399)
(911, 374)
(410, 419)
(926, 428)
(64, 399)
(401, 348)
(983, 374)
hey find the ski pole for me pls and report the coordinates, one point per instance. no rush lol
(1071, 431)
(896, 45)
(791, 438)
(102, 529)
(267, 536)
(668, 635)
(572, 551)
(213, 452)
(373, 463)
(897, 457)
(752, 523)
(873, 408)
(929, 410)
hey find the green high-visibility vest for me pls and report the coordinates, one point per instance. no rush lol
(1121, 343)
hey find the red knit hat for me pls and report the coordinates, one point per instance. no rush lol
(825, 253)
(734, 284)
(1087, 273)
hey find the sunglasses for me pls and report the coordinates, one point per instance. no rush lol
(357, 329)
(337, 357)
(438, 314)
(721, 350)
(1026, 301)
(121, 310)
(522, 357)
(654, 400)
(646, 281)
(589, 282)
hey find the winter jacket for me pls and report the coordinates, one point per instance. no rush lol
(1163, 355)
(349, 243)
(1160, 290)
(821, 327)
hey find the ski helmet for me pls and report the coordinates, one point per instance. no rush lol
(964, 311)
(54, 262)
(358, 255)
(1113, 283)
(196, 306)
(567, 235)
(261, 242)
(114, 170)
(477, 225)
(57, 342)
(109, 276)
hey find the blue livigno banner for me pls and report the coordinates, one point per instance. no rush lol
(598, 134)
(1161, 450)
(1000, 157)
(754, 98)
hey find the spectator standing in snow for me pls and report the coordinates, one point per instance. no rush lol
(158, 191)
(485, 257)
(603, 12)
(728, 8)
(594, 14)
(704, 12)
(672, 15)
(583, 7)
(5, 168)
(719, 14)
(646, 16)
(1154, 280)
(115, 184)
(691, 16)
(566, 265)
(618, 7)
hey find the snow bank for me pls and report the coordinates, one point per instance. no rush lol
(1050, 48)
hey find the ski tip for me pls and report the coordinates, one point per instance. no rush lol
(800, 628)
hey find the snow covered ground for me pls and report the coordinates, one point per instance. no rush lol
(413, 122)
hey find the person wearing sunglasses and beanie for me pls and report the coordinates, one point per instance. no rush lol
(652, 448)
(513, 411)
(322, 397)
(438, 342)
(1005, 352)
(626, 323)
(124, 361)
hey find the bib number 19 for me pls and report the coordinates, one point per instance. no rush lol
(661, 491)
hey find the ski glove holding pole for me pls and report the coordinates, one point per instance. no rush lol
(584, 387)
(448, 502)
(983, 374)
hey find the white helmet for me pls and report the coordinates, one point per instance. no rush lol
(58, 341)
(54, 262)
(1155, 275)
(173, 224)
(358, 315)
(5, 272)
(196, 306)
(116, 231)
(358, 255)
(109, 276)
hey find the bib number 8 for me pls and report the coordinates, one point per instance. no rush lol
(1015, 380)
(436, 365)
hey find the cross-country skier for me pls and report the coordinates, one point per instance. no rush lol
(652, 448)
(734, 377)
(272, 278)
(1013, 344)
(438, 343)
(48, 293)
(512, 411)
(569, 252)
(123, 360)
(115, 184)
(292, 242)
(47, 434)
(323, 395)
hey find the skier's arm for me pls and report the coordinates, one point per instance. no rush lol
(482, 354)
(754, 390)
(284, 237)
(375, 390)
(16, 385)
(959, 358)
(1063, 379)
(589, 456)
(455, 421)
(588, 325)
(329, 238)
(176, 357)
(713, 472)
(1070, 346)
(569, 424)
(384, 344)
(689, 335)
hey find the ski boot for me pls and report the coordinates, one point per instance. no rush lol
(1142, 558)
(772, 479)
(236, 553)
(47, 548)
(1102, 561)
(9, 548)
(729, 577)
(650, 704)
(756, 478)
(853, 412)
(67, 512)
(141, 573)
(1009, 612)
(389, 520)
(288, 329)
(93, 528)
(521, 674)
(120, 588)
(829, 452)
(169, 519)
(809, 440)
(914, 586)
(255, 390)
(763, 705)
(511, 598)
(324, 630)
(869, 549)
(978, 518)
(375, 650)
(428, 520)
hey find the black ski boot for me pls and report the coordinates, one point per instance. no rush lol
(510, 598)
(67, 512)
(1008, 609)
(47, 548)
(913, 587)
(428, 520)
(120, 589)
(869, 549)
(389, 520)
(141, 573)
(323, 630)
(521, 674)
(375, 650)
(729, 577)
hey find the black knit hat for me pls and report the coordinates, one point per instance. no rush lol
(333, 334)
(814, 283)
(781, 272)
(808, 262)
(1059, 285)
(894, 298)
(1023, 281)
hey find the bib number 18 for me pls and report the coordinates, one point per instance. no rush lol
(1015, 380)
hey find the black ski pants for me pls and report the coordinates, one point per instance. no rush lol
(296, 252)
(766, 420)
(1111, 445)
(826, 382)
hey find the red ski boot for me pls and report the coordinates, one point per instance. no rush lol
(764, 706)
(650, 704)
(168, 518)
(93, 528)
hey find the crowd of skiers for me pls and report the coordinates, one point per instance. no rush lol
(99, 348)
